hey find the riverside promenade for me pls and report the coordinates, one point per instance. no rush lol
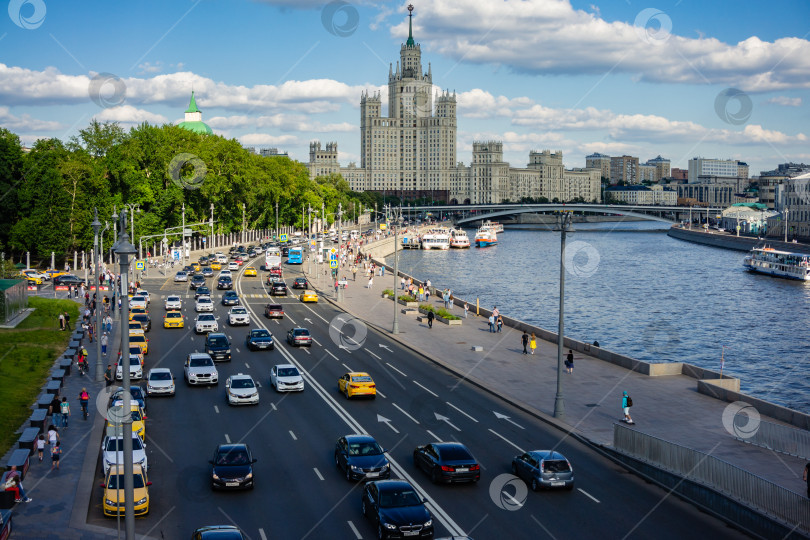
(668, 407)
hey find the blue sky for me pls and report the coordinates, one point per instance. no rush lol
(614, 77)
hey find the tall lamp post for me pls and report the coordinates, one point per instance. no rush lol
(564, 226)
(134, 207)
(99, 372)
(211, 243)
(124, 248)
(339, 296)
(787, 212)
(396, 221)
(243, 223)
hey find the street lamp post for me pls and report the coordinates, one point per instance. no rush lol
(124, 248)
(564, 224)
(338, 295)
(276, 233)
(787, 212)
(243, 223)
(183, 237)
(99, 372)
(133, 207)
(395, 328)
(211, 243)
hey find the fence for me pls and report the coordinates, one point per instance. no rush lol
(776, 437)
(774, 500)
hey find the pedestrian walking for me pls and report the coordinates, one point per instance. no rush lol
(402, 283)
(382, 271)
(108, 376)
(40, 446)
(492, 323)
(90, 331)
(466, 309)
(569, 362)
(495, 311)
(61, 321)
(430, 318)
(337, 284)
(64, 408)
(627, 402)
(806, 478)
(54, 409)
(56, 451)
(500, 323)
(67, 320)
(532, 343)
(370, 281)
(53, 435)
(104, 341)
(525, 339)
(354, 273)
(84, 399)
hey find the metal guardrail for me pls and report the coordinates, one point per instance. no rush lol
(776, 501)
(776, 437)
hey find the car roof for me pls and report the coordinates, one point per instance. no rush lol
(199, 355)
(160, 370)
(390, 485)
(230, 447)
(357, 438)
(238, 307)
(204, 297)
(285, 366)
(546, 454)
(217, 334)
(358, 374)
(241, 376)
(274, 306)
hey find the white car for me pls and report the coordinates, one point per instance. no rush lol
(143, 292)
(138, 302)
(135, 369)
(112, 452)
(200, 369)
(222, 258)
(242, 390)
(34, 274)
(238, 315)
(160, 381)
(232, 266)
(180, 276)
(286, 378)
(204, 303)
(259, 250)
(226, 273)
(206, 322)
(173, 302)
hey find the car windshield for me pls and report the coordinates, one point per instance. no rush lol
(370, 448)
(259, 333)
(117, 445)
(200, 362)
(160, 376)
(230, 294)
(136, 416)
(203, 300)
(133, 351)
(206, 317)
(137, 338)
(288, 372)
(118, 479)
(218, 342)
(173, 299)
(399, 497)
(202, 290)
(174, 315)
(361, 378)
(556, 466)
(274, 307)
(224, 279)
(242, 383)
(454, 453)
(239, 311)
(234, 457)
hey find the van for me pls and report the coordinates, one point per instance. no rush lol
(354, 235)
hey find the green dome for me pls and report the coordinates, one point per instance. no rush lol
(197, 127)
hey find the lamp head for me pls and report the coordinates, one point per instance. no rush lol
(96, 223)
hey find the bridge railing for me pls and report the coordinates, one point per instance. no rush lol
(776, 437)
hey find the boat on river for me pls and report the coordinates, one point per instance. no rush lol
(459, 239)
(784, 264)
(494, 225)
(438, 238)
(485, 236)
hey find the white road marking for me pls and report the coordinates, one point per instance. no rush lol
(246, 364)
(318, 343)
(273, 406)
(395, 369)
(293, 436)
(330, 354)
(507, 440)
(436, 438)
(380, 394)
(405, 413)
(237, 350)
(500, 416)
(258, 384)
(348, 368)
(425, 389)
(262, 535)
(318, 473)
(216, 409)
(307, 350)
(462, 412)
(227, 439)
(387, 422)
(588, 495)
(446, 420)
(354, 530)
(372, 354)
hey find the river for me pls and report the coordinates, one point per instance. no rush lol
(643, 294)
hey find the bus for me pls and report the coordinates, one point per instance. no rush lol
(295, 256)
(272, 258)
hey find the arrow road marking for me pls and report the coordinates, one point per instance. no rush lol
(500, 416)
(386, 421)
(446, 420)
(308, 320)
(386, 347)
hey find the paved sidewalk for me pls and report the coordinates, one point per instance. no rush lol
(668, 407)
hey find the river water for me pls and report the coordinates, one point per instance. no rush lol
(643, 294)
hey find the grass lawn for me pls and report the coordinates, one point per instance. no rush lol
(27, 354)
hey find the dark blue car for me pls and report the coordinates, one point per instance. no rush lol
(259, 339)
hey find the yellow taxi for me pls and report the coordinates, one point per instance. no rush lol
(250, 271)
(173, 319)
(196, 267)
(32, 279)
(357, 383)
(216, 266)
(141, 341)
(135, 328)
(309, 296)
(115, 496)
(55, 273)
(138, 419)
(137, 311)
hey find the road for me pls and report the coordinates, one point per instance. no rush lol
(300, 493)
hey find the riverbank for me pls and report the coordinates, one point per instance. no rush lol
(725, 240)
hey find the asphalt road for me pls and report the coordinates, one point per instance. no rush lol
(300, 493)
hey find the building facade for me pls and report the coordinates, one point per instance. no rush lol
(717, 171)
(651, 195)
(624, 169)
(662, 167)
(599, 161)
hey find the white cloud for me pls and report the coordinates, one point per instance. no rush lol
(127, 114)
(551, 37)
(786, 101)
(148, 67)
(283, 122)
(25, 123)
(263, 139)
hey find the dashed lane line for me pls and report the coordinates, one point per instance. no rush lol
(426, 389)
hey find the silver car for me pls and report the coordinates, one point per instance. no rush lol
(204, 303)
(180, 276)
(206, 322)
(200, 369)
(242, 390)
(160, 382)
(544, 469)
(286, 378)
(173, 302)
(112, 451)
(238, 315)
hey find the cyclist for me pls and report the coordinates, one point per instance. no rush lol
(84, 398)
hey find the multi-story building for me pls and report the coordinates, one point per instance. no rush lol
(662, 167)
(624, 169)
(795, 210)
(679, 174)
(717, 171)
(709, 194)
(599, 161)
(652, 195)
(646, 173)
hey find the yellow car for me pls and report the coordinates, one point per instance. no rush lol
(138, 419)
(137, 311)
(135, 328)
(250, 271)
(196, 267)
(55, 273)
(173, 319)
(141, 341)
(357, 383)
(114, 494)
(216, 266)
(32, 279)
(309, 296)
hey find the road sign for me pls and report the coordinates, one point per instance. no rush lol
(139, 265)
(332, 251)
(333, 263)
(282, 237)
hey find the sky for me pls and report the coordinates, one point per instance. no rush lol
(677, 78)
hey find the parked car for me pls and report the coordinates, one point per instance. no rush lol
(115, 496)
(68, 279)
(112, 452)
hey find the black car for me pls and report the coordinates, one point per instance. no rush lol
(218, 346)
(207, 271)
(447, 462)
(144, 319)
(300, 283)
(278, 288)
(203, 260)
(232, 467)
(136, 392)
(224, 282)
(202, 291)
(360, 457)
(259, 338)
(197, 281)
(68, 279)
(251, 254)
(230, 298)
(217, 532)
(397, 510)
(285, 251)
(189, 270)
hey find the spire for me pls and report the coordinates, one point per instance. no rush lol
(192, 105)
(410, 42)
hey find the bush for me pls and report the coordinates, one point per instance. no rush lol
(427, 307)
(407, 298)
(389, 292)
(443, 313)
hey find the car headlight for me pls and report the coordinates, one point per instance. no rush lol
(355, 468)
(214, 476)
(227, 351)
(142, 501)
(385, 467)
(390, 526)
(108, 502)
(428, 523)
(249, 476)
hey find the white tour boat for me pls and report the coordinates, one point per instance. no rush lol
(485, 236)
(778, 263)
(438, 238)
(494, 225)
(459, 239)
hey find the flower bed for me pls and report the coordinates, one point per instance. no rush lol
(442, 315)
